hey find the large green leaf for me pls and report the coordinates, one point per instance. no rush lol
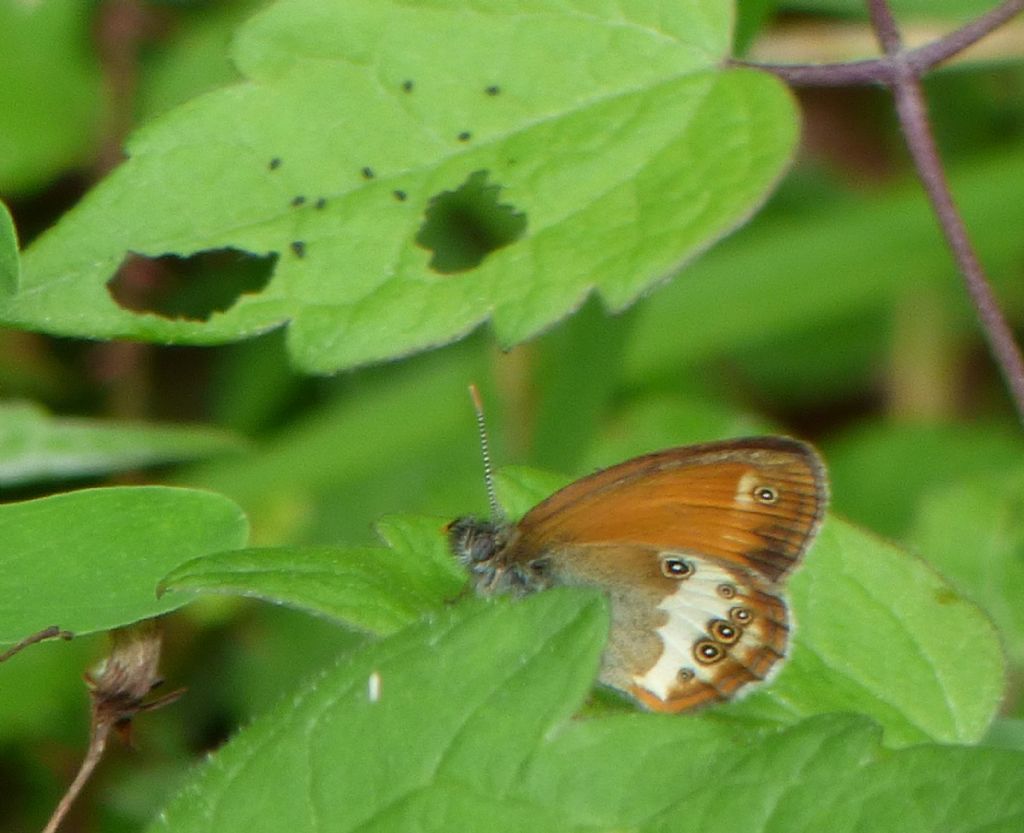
(425, 728)
(463, 723)
(613, 130)
(90, 560)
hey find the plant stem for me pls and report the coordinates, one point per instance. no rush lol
(880, 70)
(901, 70)
(52, 632)
(913, 116)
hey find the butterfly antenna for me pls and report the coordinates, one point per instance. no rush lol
(485, 450)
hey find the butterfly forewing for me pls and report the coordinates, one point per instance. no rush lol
(754, 503)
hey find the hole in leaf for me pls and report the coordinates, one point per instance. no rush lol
(463, 226)
(194, 287)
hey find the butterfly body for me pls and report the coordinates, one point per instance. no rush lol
(690, 544)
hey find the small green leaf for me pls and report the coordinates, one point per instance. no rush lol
(974, 533)
(879, 632)
(90, 560)
(36, 447)
(609, 146)
(378, 589)
(427, 729)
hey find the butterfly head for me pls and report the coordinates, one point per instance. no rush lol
(487, 549)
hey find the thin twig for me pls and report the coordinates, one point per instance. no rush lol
(97, 745)
(913, 117)
(880, 70)
(52, 632)
(901, 71)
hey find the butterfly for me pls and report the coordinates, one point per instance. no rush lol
(692, 545)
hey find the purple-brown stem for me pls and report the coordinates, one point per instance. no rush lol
(901, 71)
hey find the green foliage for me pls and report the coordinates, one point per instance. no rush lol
(35, 446)
(499, 682)
(924, 687)
(618, 128)
(90, 560)
(609, 144)
(10, 265)
(51, 76)
(974, 532)
(374, 588)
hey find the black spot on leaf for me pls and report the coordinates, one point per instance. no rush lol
(401, 196)
(494, 89)
(407, 86)
(321, 204)
(465, 136)
(274, 163)
(368, 173)
(464, 226)
(299, 248)
(299, 200)
(191, 288)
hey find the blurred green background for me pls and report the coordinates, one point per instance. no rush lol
(836, 315)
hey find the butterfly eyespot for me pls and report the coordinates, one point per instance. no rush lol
(674, 567)
(707, 652)
(741, 615)
(722, 631)
(766, 494)
(685, 675)
(727, 591)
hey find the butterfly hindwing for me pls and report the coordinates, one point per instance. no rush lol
(686, 630)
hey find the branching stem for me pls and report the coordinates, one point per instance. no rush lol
(901, 71)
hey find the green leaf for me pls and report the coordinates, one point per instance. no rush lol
(90, 560)
(880, 633)
(973, 532)
(378, 589)
(617, 125)
(830, 774)
(462, 703)
(191, 59)
(36, 447)
(468, 718)
(10, 264)
(52, 92)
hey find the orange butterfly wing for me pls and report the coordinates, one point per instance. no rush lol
(755, 503)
